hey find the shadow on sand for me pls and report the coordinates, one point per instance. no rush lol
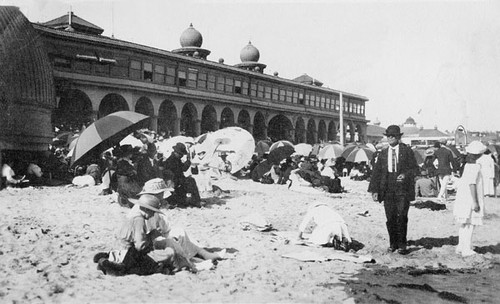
(429, 243)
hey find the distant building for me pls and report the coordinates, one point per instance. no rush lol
(81, 76)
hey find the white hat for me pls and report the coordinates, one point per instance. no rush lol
(475, 147)
(155, 186)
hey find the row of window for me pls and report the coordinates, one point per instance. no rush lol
(199, 79)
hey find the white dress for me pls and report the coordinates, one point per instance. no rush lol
(463, 207)
(488, 172)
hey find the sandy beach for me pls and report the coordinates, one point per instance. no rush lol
(49, 236)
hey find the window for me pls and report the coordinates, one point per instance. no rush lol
(211, 82)
(147, 73)
(282, 95)
(301, 98)
(295, 97)
(337, 105)
(267, 92)
(244, 89)
(181, 75)
(237, 86)
(170, 78)
(192, 78)
(289, 95)
(323, 102)
(159, 75)
(260, 91)
(253, 89)
(275, 94)
(202, 80)
(135, 69)
(229, 85)
(220, 83)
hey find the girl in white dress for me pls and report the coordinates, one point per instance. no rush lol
(468, 209)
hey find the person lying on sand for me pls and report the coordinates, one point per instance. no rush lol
(149, 244)
(330, 230)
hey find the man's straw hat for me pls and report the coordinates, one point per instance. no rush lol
(155, 186)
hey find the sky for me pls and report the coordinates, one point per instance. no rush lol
(435, 61)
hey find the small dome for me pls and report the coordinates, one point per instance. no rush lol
(249, 53)
(410, 121)
(191, 37)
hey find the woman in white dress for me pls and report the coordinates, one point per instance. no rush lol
(468, 209)
(488, 171)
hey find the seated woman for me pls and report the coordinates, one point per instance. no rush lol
(11, 179)
(150, 245)
(126, 176)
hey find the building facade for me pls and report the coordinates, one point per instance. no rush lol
(184, 92)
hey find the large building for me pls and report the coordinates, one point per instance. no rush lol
(89, 75)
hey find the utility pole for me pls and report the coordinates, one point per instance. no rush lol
(341, 116)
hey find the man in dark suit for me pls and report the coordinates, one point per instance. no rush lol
(392, 182)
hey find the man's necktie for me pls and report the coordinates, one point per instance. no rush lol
(394, 160)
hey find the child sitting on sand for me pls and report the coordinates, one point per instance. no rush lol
(330, 230)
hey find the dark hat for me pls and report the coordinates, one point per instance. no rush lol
(126, 149)
(393, 130)
(180, 148)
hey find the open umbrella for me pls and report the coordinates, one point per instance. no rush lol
(262, 147)
(131, 140)
(303, 149)
(280, 143)
(350, 147)
(106, 133)
(280, 153)
(238, 143)
(330, 151)
(315, 149)
(167, 146)
(359, 154)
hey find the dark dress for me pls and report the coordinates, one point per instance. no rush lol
(128, 185)
(186, 192)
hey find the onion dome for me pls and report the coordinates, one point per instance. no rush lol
(410, 121)
(249, 53)
(191, 37)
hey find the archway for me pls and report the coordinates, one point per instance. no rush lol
(244, 120)
(208, 119)
(188, 120)
(348, 133)
(167, 119)
(279, 128)
(226, 118)
(145, 106)
(112, 103)
(259, 126)
(73, 111)
(322, 135)
(332, 131)
(358, 134)
(311, 132)
(300, 131)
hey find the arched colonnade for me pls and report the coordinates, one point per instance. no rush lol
(177, 116)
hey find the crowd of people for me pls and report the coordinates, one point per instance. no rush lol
(147, 181)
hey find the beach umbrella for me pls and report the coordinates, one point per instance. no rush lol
(238, 143)
(315, 149)
(331, 151)
(131, 140)
(167, 146)
(106, 133)
(262, 147)
(280, 143)
(371, 147)
(261, 169)
(303, 149)
(280, 153)
(350, 147)
(359, 154)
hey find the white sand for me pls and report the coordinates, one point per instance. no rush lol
(50, 235)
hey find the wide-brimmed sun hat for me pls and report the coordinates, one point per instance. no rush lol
(393, 130)
(180, 148)
(475, 147)
(148, 201)
(429, 152)
(155, 186)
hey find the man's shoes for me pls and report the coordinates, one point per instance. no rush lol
(110, 268)
(402, 250)
(100, 255)
(391, 249)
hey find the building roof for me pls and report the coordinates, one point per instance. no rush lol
(77, 23)
(308, 80)
(135, 46)
(375, 131)
(432, 133)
